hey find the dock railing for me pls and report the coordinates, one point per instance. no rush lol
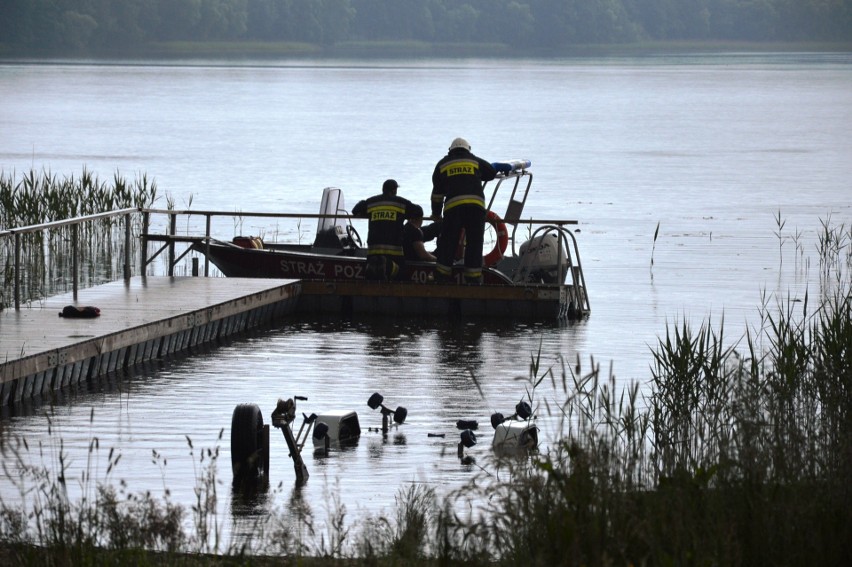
(171, 237)
(566, 240)
(74, 224)
(165, 232)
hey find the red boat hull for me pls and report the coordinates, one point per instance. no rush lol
(307, 263)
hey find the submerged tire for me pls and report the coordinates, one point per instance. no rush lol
(375, 400)
(399, 415)
(246, 441)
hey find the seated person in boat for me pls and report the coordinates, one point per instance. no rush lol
(416, 235)
(387, 214)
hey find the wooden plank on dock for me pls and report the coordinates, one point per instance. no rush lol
(141, 318)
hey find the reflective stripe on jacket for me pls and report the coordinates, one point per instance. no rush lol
(387, 215)
(457, 180)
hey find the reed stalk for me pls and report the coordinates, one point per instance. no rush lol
(42, 197)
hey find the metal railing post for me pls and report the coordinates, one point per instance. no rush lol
(127, 246)
(560, 235)
(74, 275)
(207, 248)
(172, 232)
(17, 271)
(143, 253)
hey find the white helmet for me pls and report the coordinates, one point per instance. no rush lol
(460, 143)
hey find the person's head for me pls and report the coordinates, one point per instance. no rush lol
(460, 143)
(389, 187)
(416, 217)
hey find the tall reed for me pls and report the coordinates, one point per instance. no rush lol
(739, 454)
(42, 197)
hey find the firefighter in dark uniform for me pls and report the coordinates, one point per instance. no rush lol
(387, 213)
(457, 192)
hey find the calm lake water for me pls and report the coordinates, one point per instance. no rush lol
(719, 150)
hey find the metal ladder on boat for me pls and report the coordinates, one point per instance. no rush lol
(578, 302)
(517, 200)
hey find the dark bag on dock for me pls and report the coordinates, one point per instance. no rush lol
(73, 312)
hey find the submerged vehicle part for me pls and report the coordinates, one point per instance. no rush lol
(517, 434)
(250, 437)
(338, 427)
(399, 414)
(515, 438)
(249, 444)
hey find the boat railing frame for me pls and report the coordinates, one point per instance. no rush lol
(567, 240)
(574, 265)
(517, 201)
(171, 237)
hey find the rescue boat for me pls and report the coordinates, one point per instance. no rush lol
(546, 263)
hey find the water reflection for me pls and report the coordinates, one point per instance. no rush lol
(387, 337)
(460, 345)
(441, 371)
(250, 498)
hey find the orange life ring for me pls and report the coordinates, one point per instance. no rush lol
(496, 253)
(500, 245)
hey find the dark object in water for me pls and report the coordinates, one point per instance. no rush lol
(74, 312)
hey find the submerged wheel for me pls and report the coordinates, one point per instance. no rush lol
(320, 431)
(399, 415)
(375, 400)
(246, 441)
(523, 410)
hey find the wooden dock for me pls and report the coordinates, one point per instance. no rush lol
(143, 318)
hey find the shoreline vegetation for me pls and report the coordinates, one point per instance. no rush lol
(389, 28)
(736, 452)
(371, 50)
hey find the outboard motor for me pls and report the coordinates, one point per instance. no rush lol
(540, 261)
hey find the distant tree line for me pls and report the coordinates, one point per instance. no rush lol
(104, 26)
